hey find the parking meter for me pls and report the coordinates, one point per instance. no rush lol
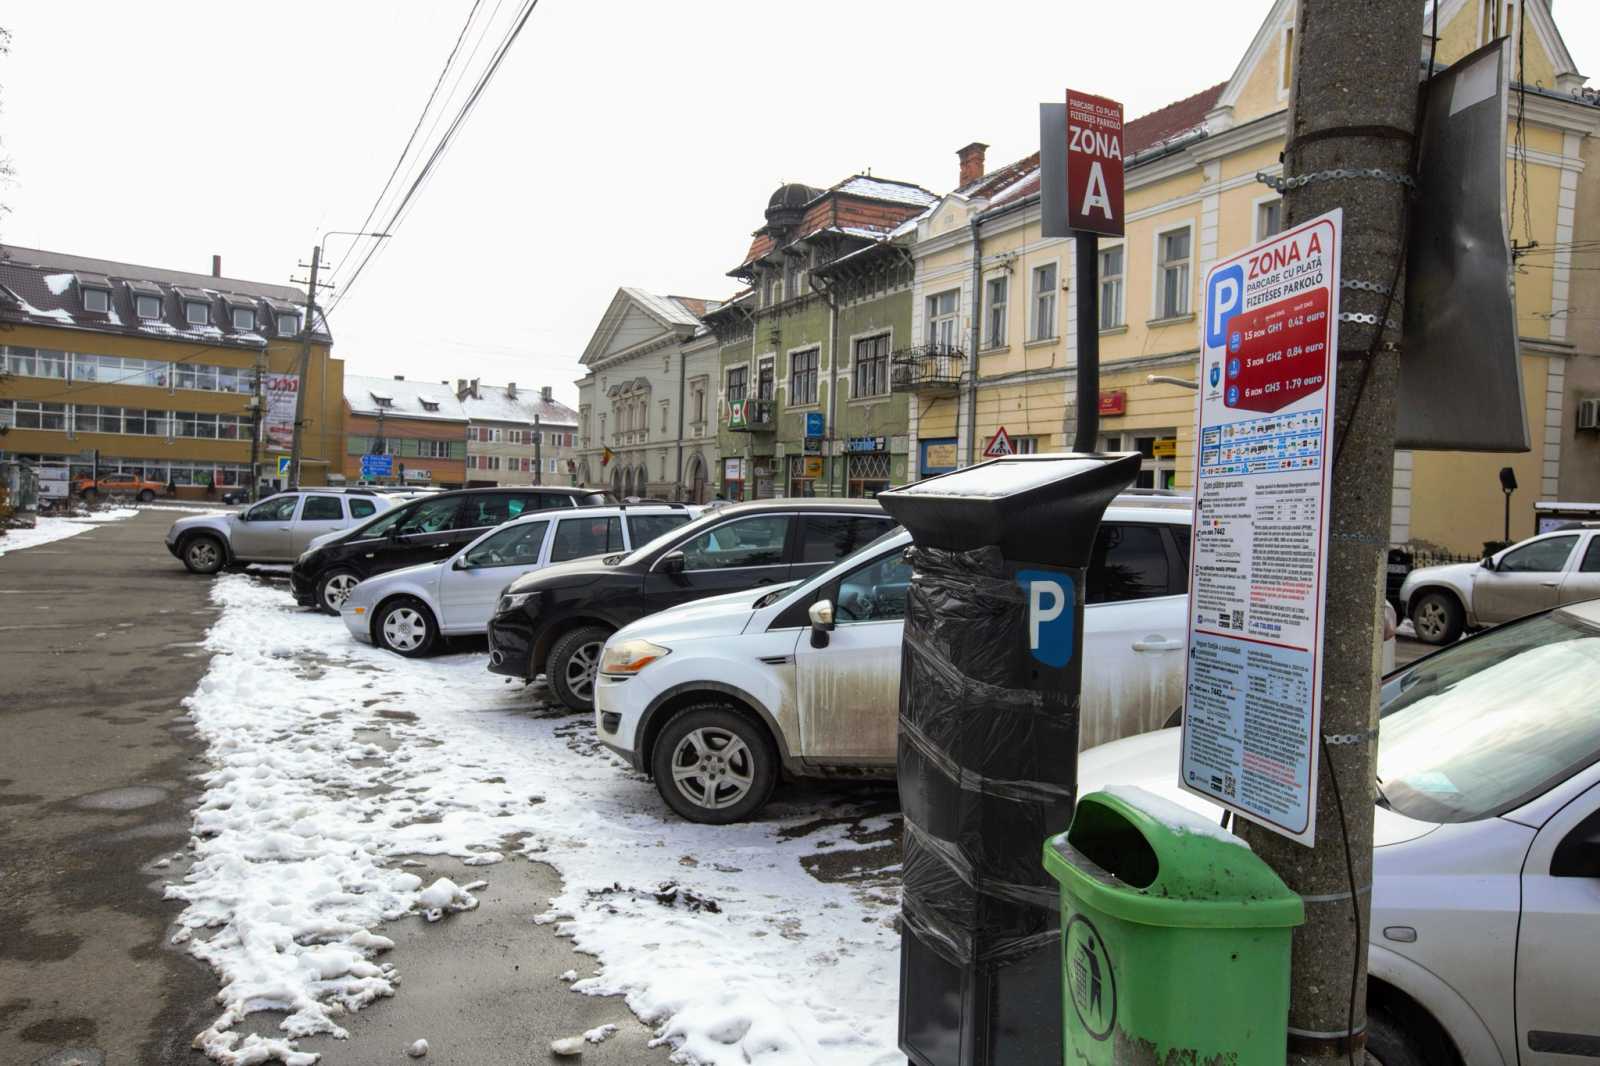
(987, 756)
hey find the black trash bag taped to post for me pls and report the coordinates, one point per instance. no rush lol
(996, 765)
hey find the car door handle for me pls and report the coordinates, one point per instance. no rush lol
(1550, 584)
(1156, 643)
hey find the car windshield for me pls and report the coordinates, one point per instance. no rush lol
(1487, 725)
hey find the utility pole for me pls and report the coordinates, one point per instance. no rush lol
(255, 428)
(307, 328)
(1354, 108)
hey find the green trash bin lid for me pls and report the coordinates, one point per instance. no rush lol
(1142, 858)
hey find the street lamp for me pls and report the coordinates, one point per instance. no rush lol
(1508, 485)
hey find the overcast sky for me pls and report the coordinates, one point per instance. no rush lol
(624, 142)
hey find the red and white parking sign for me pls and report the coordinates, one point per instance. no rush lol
(1094, 164)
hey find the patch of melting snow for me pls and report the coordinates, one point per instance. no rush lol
(299, 856)
(50, 528)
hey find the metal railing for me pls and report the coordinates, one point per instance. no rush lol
(927, 368)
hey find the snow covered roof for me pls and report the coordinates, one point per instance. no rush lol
(495, 403)
(670, 309)
(408, 399)
(46, 288)
(900, 192)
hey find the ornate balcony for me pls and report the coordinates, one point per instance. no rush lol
(928, 368)
(753, 416)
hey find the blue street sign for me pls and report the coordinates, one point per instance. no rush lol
(377, 466)
(816, 425)
(283, 466)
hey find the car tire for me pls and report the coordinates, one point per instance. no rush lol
(714, 765)
(405, 626)
(204, 554)
(1437, 617)
(574, 661)
(333, 587)
(1390, 1045)
(89, 495)
(145, 496)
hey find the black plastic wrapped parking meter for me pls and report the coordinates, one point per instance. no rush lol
(988, 746)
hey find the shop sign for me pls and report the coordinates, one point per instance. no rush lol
(813, 466)
(1258, 572)
(1165, 448)
(867, 444)
(813, 446)
(939, 456)
(733, 469)
(418, 475)
(816, 424)
(277, 421)
(1113, 401)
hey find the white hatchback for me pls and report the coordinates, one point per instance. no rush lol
(715, 698)
(408, 610)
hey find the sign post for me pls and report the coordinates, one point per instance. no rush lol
(1259, 565)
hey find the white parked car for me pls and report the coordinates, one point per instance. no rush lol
(1485, 927)
(408, 610)
(276, 530)
(715, 698)
(1535, 575)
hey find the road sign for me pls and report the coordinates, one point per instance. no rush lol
(999, 445)
(283, 466)
(377, 466)
(1258, 570)
(816, 424)
(1094, 164)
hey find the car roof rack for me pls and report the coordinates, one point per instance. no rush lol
(625, 504)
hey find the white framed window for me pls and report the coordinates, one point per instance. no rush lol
(996, 296)
(244, 318)
(871, 366)
(288, 323)
(767, 379)
(196, 313)
(96, 300)
(735, 388)
(1158, 452)
(1173, 250)
(1111, 270)
(1286, 62)
(1269, 218)
(1044, 303)
(433, 449)
(803, 377)
(944, 315)
(146, 306)
(1024, 445)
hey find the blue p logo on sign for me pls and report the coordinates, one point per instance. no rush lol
(1224, 299)
(1052, 614)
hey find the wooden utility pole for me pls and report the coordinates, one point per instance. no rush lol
(307, 328)
(1351, 121)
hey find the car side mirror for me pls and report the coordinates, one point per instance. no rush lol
(1579, 854)
(671, 563)
(821, 615)
(1488, 563)
(460, 563)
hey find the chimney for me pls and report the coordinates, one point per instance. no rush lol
(511, 390)
(474, 389)
(971, 162)
(399, 377)
(546, 393)
(216, 266)
(461, 388)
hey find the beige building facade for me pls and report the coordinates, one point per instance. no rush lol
(517, 436)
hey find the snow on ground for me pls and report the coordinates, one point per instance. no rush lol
(330, 761)
(48, 528)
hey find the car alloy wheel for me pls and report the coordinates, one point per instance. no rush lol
(572, 666)
(203, 555)
(713, 768)
(1437, 618)
(404, 629)
(336, 589)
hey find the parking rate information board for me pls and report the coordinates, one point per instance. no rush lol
(1259, 565)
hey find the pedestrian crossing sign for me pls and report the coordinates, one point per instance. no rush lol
(999, 445)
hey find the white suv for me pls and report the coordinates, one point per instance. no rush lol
(715, 698)
(407, 610)
(276, 530)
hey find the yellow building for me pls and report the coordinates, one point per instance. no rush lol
(1192, 197)
(158, 370)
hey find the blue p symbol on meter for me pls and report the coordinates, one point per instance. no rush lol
(1051, 615)
(1224, 299)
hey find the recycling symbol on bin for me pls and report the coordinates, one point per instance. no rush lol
(1089, 977)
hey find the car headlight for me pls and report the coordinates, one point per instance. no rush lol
(512, 600)
(628, 657)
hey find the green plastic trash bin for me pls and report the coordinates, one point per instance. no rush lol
(1174, 938)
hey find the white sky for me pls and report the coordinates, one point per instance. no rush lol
(624, 142)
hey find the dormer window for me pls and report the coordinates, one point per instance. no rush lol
(429, 405)
(382, 401)
(288, 323)
(147, 306)
(197, 313)
(244, 318)
(97, 300)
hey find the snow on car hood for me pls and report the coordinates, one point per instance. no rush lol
(1150, 761)
(716, 616)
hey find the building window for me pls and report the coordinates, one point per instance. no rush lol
(197, 313)
(30, 414)
(803, 470)
(433, 449)
(428, 405)
(1269, 219)
(803, 378)
(244, 318)
(944, 311)
(766, 383)
(96, 300)
(1286, 61)
(1172, 274)
(663, 418)
(1024, 445)
(1044, 302)
(869, 474)
(738, 384)
(996, 293)
(288, 323)
(382, 401)
(699, 405)
(205, 426)
(1158, 451)
(126, 370)
(872, 365)
(147, 306)
(1111, 314)
(774, 290)
(33, 363)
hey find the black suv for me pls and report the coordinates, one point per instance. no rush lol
(420, 531)
(554, 621)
